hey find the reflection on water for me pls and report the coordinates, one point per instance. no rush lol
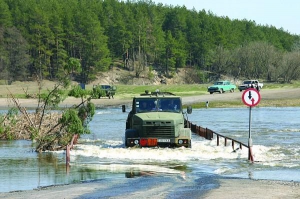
(179, 169)
(101, 154)
(22, 168)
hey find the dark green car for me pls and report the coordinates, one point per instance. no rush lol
(103, 91)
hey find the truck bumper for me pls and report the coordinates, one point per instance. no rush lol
(157, 142)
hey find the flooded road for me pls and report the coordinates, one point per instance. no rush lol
(102, 157)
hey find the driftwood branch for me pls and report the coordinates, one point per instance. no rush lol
(21, 109)
(45, 104)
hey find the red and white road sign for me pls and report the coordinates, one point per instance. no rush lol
(251, 97)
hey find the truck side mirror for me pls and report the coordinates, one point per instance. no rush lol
(189, 109)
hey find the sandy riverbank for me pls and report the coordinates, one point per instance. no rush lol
(228, 188)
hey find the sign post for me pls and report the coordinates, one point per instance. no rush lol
(250, 97)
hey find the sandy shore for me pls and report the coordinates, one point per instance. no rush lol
(244, 188)
(228, 188)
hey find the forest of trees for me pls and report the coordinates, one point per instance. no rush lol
(40, 37)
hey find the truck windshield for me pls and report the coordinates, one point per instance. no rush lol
(105, 86)
(158, 104)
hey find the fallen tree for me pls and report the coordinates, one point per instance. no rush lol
(48, 126)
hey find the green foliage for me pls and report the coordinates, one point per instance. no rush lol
(53, 98)
(73, 66)
(85, 36)
(202, 76)
(150, 73)
(5, 15)
(33, 133)
(7, 133)
(86, 114)
(97, 92)
(14, 60)
(5, 130)
(71, 121)
(78, 92)
(2, 128)
(63, 82)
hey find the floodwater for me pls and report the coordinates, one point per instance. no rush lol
(101, 155)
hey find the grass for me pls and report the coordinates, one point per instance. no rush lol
(239, 103)
(128, 91)
(293, 84)
(19, 89)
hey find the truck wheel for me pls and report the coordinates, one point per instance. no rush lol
(221, 91)
(211, 92)
(126, 136)
(232, 90)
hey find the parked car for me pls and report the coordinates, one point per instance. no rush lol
(103, 91)
(221, 87)
(250, 84)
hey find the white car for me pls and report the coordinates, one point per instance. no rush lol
(250, 84)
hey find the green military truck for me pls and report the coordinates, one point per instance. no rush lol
(103, 91)
(157, 120)
(221, 87)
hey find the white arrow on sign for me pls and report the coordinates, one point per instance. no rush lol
(251, 97)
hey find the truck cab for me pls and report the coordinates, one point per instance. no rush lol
(157, 120)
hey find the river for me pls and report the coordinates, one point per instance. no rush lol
(101, 155)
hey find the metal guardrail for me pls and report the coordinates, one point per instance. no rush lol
(209, 134)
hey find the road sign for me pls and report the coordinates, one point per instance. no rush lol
(251, 97)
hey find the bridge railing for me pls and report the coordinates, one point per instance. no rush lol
(209, 135)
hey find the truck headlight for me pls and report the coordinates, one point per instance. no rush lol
(183, 141)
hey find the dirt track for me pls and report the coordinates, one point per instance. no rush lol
(290, 93)
(276, 94)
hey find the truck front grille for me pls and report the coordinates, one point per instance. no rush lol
(158, 131)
